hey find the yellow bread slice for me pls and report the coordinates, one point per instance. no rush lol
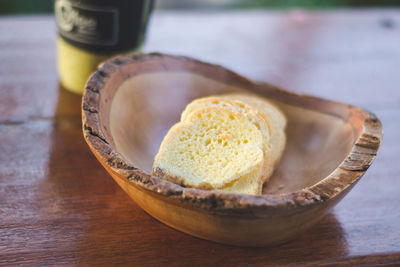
(259, 111)
(253, 185)
(253, 115)
(212, 148)
(277, 123)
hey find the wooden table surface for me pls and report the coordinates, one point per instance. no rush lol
(59, 206)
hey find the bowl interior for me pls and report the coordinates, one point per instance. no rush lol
(145, 106)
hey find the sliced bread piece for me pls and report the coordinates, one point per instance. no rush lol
(252, 114)
(277, 123)
(212, 148)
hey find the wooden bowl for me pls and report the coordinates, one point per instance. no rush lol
(130, 103)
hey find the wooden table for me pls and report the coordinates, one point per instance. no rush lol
(59, 206)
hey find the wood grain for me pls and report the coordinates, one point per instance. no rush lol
(59, 207)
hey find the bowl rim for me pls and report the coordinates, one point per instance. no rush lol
(349, 171)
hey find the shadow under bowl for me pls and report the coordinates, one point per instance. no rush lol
(130, 103)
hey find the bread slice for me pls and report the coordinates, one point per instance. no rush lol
(265, 115)
(254, 117)
(210, 149)
(262, 114)
(277, 124)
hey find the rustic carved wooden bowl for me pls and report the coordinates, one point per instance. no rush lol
(130, 103)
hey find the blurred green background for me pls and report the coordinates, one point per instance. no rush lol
(46, 6)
